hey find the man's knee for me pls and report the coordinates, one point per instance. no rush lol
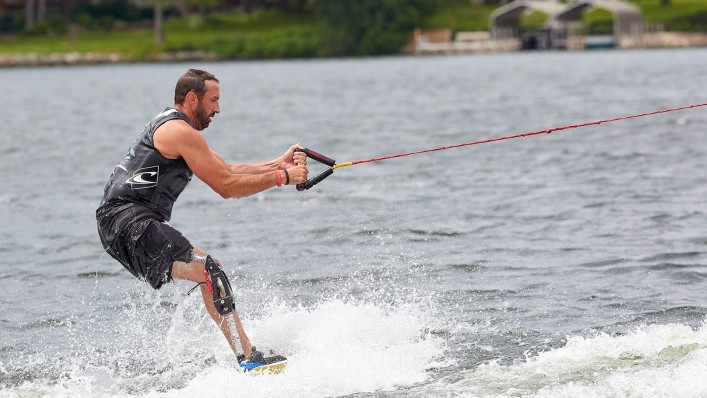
(192, 266)
(196, 255)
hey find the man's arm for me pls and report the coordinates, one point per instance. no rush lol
(176, 139)
(250, 168)
(287, 160)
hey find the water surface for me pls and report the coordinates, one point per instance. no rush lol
(569, 264)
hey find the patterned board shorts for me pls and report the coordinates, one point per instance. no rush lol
(144, 244)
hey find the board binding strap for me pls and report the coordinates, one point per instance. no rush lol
(257, 363)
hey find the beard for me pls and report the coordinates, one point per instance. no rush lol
(202, 118)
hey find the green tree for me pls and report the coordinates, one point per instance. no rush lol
(369, 27)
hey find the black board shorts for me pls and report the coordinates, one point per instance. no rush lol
(138, 238)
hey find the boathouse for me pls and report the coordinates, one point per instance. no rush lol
(505, 21)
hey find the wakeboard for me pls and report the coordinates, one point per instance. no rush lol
(264, 365)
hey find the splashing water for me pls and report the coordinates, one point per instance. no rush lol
(335, 347)
(650, 361)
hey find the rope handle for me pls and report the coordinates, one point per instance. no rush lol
(321, 176)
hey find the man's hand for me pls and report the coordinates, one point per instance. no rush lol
(292, 158)
(298, 174)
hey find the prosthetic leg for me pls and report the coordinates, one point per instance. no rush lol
(222, 294)
(219, 286)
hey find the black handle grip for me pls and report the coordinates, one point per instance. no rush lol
(315, 180)
(317, 156)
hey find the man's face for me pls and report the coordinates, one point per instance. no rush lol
(207, 107)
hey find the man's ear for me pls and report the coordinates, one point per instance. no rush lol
(191, 98)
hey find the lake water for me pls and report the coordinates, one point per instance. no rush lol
(563, 265)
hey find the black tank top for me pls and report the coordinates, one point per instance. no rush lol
(145, 176)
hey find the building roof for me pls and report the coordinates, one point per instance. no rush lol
(626, 15)
(511, 13)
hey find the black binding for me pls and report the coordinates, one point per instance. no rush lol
(219, 286)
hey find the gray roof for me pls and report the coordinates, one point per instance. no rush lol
(511, 13)
(626, 15)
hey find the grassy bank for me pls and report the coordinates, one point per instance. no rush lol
(264, 34)
(681, 15)
(273, 34)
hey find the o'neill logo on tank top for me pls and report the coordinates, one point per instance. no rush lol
(144, 178)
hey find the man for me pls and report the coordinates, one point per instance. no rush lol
(139, 195)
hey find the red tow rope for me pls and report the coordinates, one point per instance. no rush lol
(508, 137)
(333, 166)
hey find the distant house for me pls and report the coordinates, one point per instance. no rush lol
(558, 32)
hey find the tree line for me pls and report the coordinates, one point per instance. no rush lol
(56, 16)
(333, 27)
(350, 27)
(347, 27)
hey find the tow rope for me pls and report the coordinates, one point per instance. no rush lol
(333, 165)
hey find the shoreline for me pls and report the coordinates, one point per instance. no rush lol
(99, 58)
(661, 40)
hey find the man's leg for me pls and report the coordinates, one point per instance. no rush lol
(194, 272)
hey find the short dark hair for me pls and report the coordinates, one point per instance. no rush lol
(193, 80)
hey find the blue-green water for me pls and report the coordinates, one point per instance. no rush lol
(562, 265)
